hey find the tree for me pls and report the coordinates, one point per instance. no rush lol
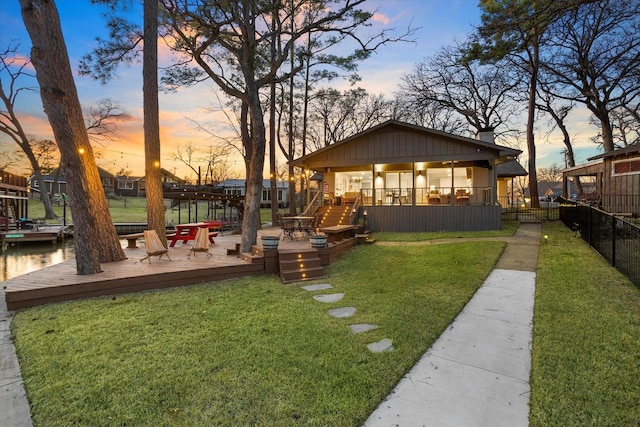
(95, 236)
(154, 196)
(516, 30)
(100, 120)
(43, 154)
(229, 42)
(594, 59)
(479, 93)
(552, 173)
(15, 68)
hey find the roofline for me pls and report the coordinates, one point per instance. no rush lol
(500, 148)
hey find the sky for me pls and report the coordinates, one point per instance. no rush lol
(441, 23)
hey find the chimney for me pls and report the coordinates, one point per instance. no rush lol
(486, 135)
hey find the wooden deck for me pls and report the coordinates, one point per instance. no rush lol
(50, 234)
(61, 282)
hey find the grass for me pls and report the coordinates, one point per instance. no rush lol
(131, 209)
(245, 351)
(586, 338)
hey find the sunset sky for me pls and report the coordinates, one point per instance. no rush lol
(441, 22)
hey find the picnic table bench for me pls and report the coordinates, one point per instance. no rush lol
(132, 239)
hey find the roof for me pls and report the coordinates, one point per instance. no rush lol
(427, 145)
(629, 149)
(511, 168)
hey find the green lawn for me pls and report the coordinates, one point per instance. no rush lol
(247, 351)
(257, 352)
(132, 209)
(586, 346)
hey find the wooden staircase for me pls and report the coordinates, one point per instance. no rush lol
(299, 265)
(335, 215)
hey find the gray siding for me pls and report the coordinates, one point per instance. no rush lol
(433, 218)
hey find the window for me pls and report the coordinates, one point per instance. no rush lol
(125, 185)
(626, 167)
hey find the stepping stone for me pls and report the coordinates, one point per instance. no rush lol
(342, 312)
(328, 297)
(380, 346)
(318, 287)
(362, 327)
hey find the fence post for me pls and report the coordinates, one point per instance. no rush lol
(613, 241)
(589, 225)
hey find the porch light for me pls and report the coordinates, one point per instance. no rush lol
(364, 213)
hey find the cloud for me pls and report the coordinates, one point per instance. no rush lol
(381, 18)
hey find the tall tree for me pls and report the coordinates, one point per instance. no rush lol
(155, 204)
(479, 93)
(594, 59)
(95, 236)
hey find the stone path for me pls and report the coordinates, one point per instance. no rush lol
(384, 344)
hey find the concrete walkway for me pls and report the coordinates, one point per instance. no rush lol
(477, 372)
(14, 408)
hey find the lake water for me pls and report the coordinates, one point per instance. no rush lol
(21, 259)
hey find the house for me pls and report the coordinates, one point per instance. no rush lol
(411, 178)
(56, 184)
(237, 187)
(122, 186)
(617, 179)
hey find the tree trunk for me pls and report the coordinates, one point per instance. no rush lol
(155, 204)
(254, 155)
(37, 172)
(531, 144)
(95, 236)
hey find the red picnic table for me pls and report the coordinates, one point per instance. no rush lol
(186, 232)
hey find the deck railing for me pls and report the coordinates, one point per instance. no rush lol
(435, 196)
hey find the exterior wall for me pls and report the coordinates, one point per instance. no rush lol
(620, 193)
(433, 218)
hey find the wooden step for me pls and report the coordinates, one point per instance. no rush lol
(300, 265)
(252, 258)
(301, 274)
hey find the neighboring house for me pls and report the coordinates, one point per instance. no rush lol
(617, 179)
(56, 184)
(237, 187)
(411, 178)
(123, 186)
(13, 199)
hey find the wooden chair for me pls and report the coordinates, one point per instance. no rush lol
(154, 245)
(200, 243)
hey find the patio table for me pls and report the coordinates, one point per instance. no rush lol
(186, 232)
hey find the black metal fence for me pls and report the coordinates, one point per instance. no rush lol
(549, 210)
(616, 239)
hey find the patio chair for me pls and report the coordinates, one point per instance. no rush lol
(154, 245)
(200, 243)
